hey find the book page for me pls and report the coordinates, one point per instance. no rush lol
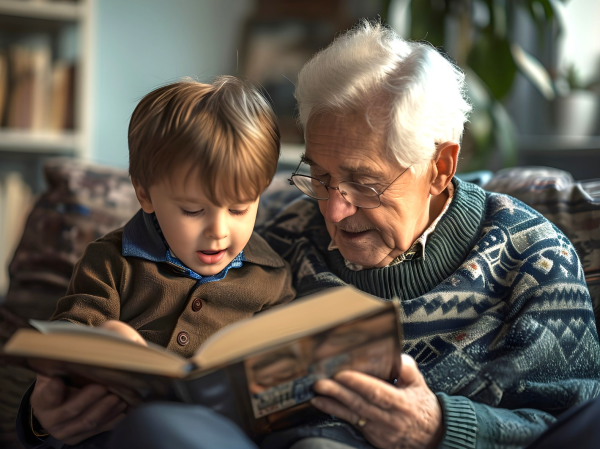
(92, 346)
(290, 322)
(66, 327)
(281, 378)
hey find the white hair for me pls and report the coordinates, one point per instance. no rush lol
(426, 94)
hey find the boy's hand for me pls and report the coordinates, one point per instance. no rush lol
(125, 330)
(73, 414)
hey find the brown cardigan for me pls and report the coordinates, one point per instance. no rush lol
(166, 307)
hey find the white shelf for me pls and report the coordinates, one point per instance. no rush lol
(42, 9)
(39, 141)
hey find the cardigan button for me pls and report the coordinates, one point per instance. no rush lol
(183, 338)
(196, 304)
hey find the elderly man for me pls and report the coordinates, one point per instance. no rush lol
(498, 323)
(496, 313)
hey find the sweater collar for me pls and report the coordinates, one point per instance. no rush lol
(454, 237)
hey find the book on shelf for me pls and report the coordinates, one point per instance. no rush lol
(29, 76)
(63, 96)
(19, 85)
(258, 372)
(40, 93)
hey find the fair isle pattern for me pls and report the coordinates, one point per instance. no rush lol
(497, 315)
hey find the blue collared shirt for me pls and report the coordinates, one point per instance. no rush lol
(143, 238)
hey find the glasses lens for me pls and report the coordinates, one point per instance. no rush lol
(311, 187)
(359, 195)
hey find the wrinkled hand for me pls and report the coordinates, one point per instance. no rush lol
(73, 414)
(407, 415)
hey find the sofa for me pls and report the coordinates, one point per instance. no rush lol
(84, 201)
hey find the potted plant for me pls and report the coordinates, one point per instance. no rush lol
(576, 109)
(481, 36)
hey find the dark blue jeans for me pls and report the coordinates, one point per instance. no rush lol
(169, 425)
(184, 426)
(577, 428)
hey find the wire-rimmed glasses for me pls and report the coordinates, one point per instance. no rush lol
(358, 195)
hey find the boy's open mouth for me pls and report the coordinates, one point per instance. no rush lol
(210, 257)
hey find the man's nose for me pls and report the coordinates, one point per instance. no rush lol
(337, 207)
(217, 228)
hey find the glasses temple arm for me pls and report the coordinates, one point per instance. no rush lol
(293, 173)
(397, 177)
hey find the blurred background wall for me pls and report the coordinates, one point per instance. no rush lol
(141, 44)
(72, 71)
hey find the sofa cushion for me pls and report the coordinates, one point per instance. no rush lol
(83, 201)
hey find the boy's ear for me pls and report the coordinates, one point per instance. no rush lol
(143, 196)
(445, 166)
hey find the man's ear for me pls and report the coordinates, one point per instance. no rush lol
(143, 196)
(445, 164)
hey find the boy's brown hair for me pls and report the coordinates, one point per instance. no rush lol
(225, 132)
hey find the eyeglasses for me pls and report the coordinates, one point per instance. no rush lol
(358, 195)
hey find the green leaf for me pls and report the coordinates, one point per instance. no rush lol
(493, 62)
(500, 17)
(533, 70)
(548, 9)
(480, 125)
(385, 10)
(505, 134)
(490, 127)
(427, 23)
(477, 90)
(559, 15)
(538, 16)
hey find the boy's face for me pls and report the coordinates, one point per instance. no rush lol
(204, 236)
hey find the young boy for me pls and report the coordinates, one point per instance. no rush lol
(188, 263)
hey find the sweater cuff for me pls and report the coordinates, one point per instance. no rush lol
(460, 422)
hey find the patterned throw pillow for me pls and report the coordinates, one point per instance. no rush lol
(83, 201)
(574, 207)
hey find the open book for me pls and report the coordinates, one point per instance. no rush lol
(258, 372)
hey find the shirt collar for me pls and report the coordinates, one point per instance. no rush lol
(143, 238)
(417, 249)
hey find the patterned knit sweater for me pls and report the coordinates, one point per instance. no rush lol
(497, 314)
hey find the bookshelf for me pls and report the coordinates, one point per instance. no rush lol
(49, 42)
(45, 87)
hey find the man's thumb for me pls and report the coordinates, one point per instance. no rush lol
(48, 392)
(409, 372)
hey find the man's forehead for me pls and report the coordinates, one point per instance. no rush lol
(348, 141)
(349, 137)
(348, 130)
